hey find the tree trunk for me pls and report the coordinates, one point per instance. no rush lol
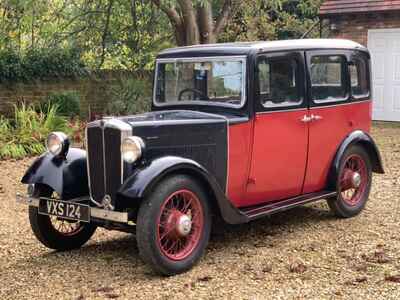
(206, 24)
(195, 25)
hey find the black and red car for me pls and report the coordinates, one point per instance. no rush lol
(238, 130)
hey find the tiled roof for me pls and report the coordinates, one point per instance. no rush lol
(329, 7)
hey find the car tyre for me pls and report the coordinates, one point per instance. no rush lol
(45, 228)
(173, 225)
(353, 184)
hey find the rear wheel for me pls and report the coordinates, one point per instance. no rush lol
(173, 225)
(353, 183)
(56, 233)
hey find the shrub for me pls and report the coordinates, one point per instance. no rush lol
(25, 134)
(41, 64)
(67, 103)
(130, 96)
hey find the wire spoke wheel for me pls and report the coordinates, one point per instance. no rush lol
(353, 180)
(65, 227)
(180, 224)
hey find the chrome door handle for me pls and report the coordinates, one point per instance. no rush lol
(316, 117)
(306, 119)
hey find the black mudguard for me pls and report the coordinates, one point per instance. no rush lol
(145, 177)
(365, 140)
(65, 175)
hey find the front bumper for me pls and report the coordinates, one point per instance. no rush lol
(96, 213)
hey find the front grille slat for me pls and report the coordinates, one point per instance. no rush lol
(112, 145)
(104, 161)
(95, 162)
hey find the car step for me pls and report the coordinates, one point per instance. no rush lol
(255, 212)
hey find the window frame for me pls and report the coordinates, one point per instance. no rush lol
(345, 75)
(358, 55)
(241, 58)
(300, 77)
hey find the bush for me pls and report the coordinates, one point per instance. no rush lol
(25, 134)
(67, 103)
(40, 64)
(130, 96)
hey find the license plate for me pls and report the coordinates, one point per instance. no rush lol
(64, 210)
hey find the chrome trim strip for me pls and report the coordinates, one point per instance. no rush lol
(340, 104)
(102, 214)
(241, 58)
(88, 170)
(283, 110)
(115, 216)
(313, 107)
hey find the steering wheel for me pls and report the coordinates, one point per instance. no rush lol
(194, 91)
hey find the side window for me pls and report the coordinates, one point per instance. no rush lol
(278, 82)
(328, 78)
(359, 78)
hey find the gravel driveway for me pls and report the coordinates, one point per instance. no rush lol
(302, 253)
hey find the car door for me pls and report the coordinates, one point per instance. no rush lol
(280, 132)
(335, 112)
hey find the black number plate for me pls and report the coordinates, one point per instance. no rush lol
(65, 210)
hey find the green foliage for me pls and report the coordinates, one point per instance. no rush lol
(40, 64)
(26, 133)
(67, 103)
(272, 20)
(130, 96)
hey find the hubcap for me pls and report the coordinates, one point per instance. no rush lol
(184, 225)
(356, 179)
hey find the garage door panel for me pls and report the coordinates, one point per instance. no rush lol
(384, 45)
(378, 98)
(396, 99)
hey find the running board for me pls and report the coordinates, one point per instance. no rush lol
(256, 212)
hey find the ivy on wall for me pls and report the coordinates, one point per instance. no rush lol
(40, 64)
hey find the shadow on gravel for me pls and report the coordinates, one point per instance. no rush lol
(122, 252)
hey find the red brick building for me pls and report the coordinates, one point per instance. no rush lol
(375, 24)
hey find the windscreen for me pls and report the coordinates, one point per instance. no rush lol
(219, 81)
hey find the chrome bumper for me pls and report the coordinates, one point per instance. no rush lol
(97, 213)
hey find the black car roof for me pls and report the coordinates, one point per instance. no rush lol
(245, 48)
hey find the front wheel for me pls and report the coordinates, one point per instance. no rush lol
(173, 225)
(56, 233)
(353, 183)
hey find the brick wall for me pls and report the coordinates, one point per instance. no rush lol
(94, 90)
(355, 26)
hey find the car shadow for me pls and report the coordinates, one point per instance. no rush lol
(123, 250)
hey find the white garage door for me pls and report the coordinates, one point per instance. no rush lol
(384, 45)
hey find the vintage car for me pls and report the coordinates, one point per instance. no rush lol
(237, 131)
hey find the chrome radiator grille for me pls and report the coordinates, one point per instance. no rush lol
(105, 167)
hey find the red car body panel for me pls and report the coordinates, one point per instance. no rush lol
(239, 157)
(277, 156)
(326, 136)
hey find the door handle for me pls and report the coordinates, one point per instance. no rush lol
(316, 117)
(306, 119)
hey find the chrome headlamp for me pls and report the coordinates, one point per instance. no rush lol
(57, 143)
(132, 149)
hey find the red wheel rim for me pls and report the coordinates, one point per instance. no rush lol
(353, 180)
(66, 227)
(176, 239)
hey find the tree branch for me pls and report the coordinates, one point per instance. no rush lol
(223, 17)
(190, 21)
(175, 20)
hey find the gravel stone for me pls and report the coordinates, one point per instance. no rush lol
(354, 258)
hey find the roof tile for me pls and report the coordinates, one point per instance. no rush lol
(330, 7)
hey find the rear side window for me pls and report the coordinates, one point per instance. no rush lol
(328, 78)
(359, 78)
(278, 82)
